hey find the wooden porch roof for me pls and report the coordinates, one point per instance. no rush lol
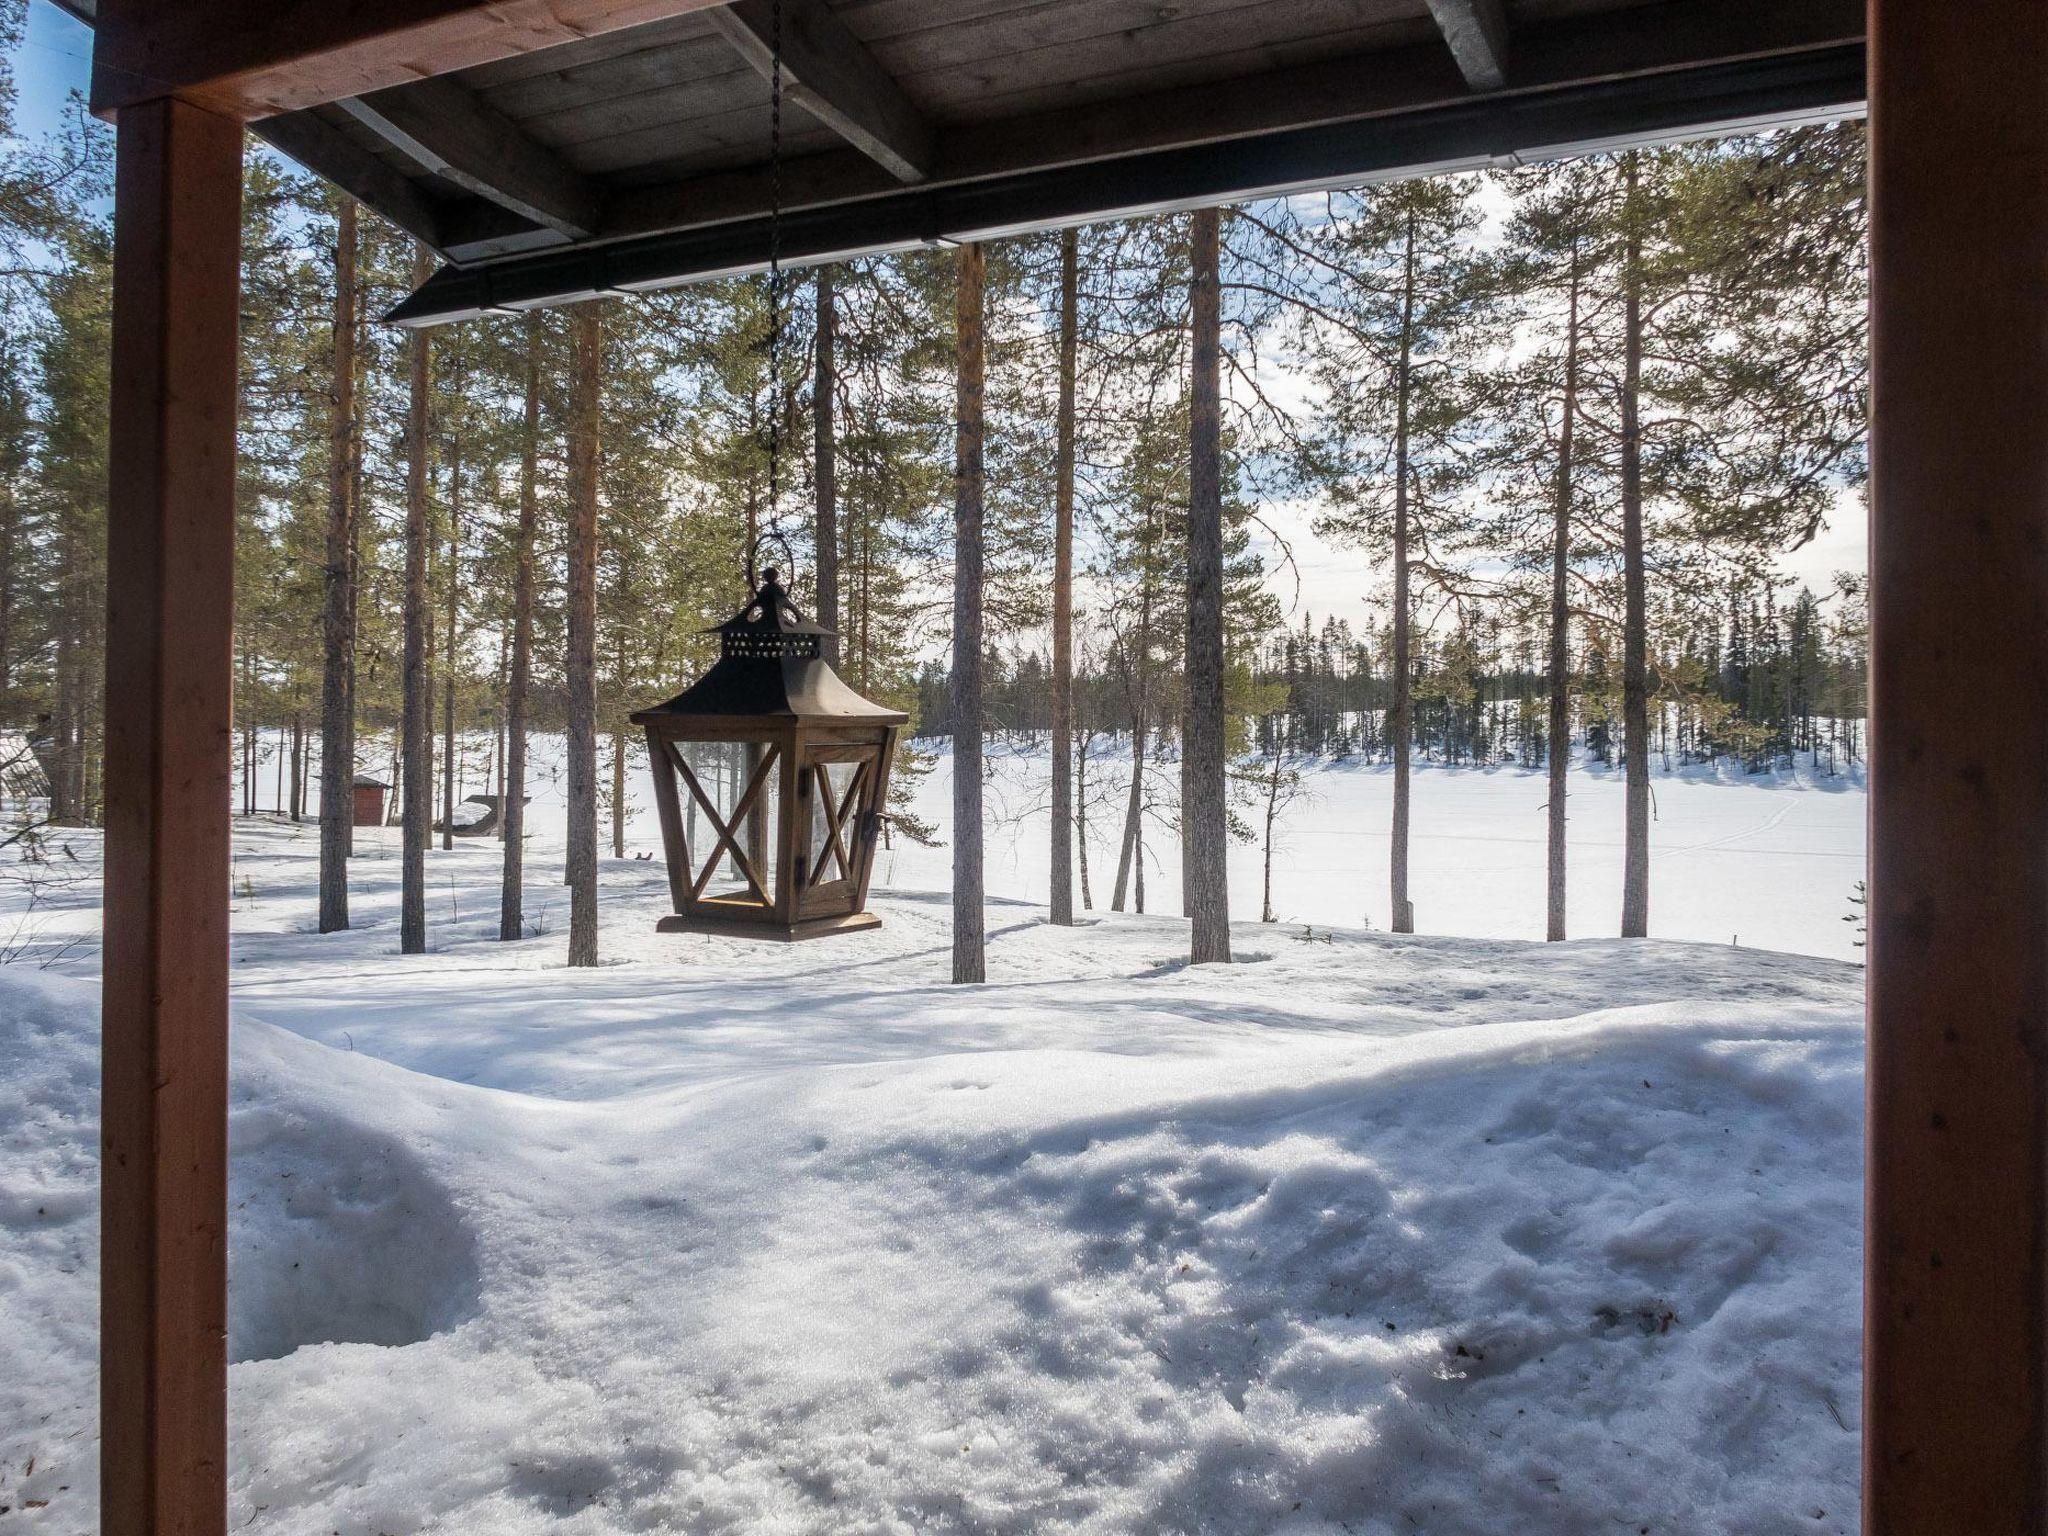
(625, 146)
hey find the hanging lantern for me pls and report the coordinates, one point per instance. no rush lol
(771, 777)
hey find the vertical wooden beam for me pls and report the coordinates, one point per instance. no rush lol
(170, 570)
(1956, 1246)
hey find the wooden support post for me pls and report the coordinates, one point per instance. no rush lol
(170, 567)
(1956, 1247)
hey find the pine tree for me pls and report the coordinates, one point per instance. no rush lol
(1062, 727)
(970, 960)
(1205, 830)
(519, 683)
(580, 666)
(417, 731)
(337, 686)
(1409, 305)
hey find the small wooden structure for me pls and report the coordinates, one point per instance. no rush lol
(482, 825)
(789, 850)
(369, 800)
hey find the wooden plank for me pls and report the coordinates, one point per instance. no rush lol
(1955, 1425)
(325, 151)
(971, 55)
(786, 883)
(476, 229)
(733, 138)
(1104, 81)
(250, 59)
(874, 19)
(1477, 32)
(569, 59)
(164, 986)
(1333, 91)
(1632, 78)
(555, 106)
(456, 136)
(874, 806)
(828, 73)
(664, 764)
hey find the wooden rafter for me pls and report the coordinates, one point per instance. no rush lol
(1629, 77)
(451, 132)
(1477, 31)
(251, 59)
(327, 152)
(831, 75)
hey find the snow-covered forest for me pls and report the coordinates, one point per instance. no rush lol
(1558, 426)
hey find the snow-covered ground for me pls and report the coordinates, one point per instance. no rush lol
(1375, 1235)
(1765, 860)
(1768, 861)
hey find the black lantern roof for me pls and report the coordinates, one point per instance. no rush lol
(771, 663)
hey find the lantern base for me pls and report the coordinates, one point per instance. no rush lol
(741, 928)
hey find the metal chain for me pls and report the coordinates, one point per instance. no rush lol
(774, 529)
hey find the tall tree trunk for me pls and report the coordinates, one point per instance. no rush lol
(587, 325)
(1635, 640)
(511, 918)
(247, 711)
(619, 749)
(1205, 815)
(1140, 662)
(453, 623)
(867, 607)
(1560, 618)
(618, 793)
(337, 612)
(1134, 810)
(66, 803)
(498, 760)
(1062, 909)
(416, 729)
(359, 528)
(825, 464)
(1272, 815)
(1400, 729)
(10, 560)
(1081, 819)
(1138, 855)
(970, 959)
(296, 801)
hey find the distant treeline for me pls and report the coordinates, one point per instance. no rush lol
(1761, 687)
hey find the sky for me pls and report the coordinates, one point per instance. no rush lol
(53, 61)
(1321, 579)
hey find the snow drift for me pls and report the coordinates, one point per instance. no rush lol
(1378, 1235)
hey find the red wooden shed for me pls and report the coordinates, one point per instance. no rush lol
(369, 796)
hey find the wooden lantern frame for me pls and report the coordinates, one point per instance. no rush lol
(773, 692)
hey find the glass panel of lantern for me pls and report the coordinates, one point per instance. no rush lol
(734, 859)
(835, 793)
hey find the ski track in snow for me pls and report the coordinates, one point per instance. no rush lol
(1380, 1235)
